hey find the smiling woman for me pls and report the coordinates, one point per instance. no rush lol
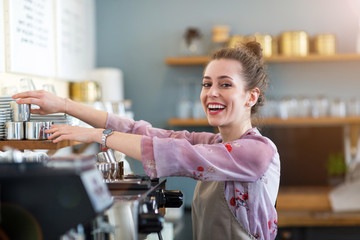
(234, 84)
(238, 170)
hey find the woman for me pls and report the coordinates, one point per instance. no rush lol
(238, 169)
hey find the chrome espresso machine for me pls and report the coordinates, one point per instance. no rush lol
(69, 198)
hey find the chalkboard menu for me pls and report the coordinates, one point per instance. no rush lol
(50, 38)
(2, 47)
(30, 37)
(75, 38)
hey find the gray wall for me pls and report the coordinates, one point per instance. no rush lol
(136, 36)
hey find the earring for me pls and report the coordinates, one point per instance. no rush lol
(249, 104)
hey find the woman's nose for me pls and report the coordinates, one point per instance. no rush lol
(213, 92)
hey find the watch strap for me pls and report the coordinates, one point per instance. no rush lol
(105, 134)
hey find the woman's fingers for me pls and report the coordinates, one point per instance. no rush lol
(24, 94)
(28, 100)
(59, 139)
(30, 97)
(29, 94)
(48, 102)
(66, 132)
(55, 131)
(54, 135)
(35, 111)
(58, 127)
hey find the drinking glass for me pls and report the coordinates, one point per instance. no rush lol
(304, 107)
(320, 107)
(113, 171)
(353, 107)
(26, 84)
(105, 170)
(338, 108)
(49, 88)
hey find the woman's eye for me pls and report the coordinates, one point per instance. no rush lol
(206, 85)
(226, 85)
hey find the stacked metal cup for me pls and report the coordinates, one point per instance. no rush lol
(36, 130)
(21, 127)
(15, 128)
(111, 169)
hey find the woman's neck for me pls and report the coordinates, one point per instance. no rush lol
(231, 133)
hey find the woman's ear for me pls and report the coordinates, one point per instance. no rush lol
(254, 95)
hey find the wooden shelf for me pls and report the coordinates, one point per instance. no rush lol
(309, 207)
(201, 60)
(315, 58)
(36, 144)
(194, 60)
(291, 122)
(309, 121)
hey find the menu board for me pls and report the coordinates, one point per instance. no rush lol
(75, 26)
(30, 37)
(2, 33)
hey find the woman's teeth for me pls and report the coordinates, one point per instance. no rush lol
(215, 107)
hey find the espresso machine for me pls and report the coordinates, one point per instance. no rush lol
(69, 198)
(139, 202)
(139, 206)
(46, 199)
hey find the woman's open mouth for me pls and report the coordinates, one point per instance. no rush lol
(215, 108)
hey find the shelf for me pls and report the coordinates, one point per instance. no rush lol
(201, 60)
(309, 121)
(310, 207)
(196, 60)
(302, 198)
(315, 58)
(325, 121)
(36, 144)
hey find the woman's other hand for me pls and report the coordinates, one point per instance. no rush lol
(74, 133)
(48, 102)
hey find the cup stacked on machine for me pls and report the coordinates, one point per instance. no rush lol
(111, 169)
(15, 123)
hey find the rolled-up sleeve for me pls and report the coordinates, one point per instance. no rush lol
(245, 159)
(144, 128)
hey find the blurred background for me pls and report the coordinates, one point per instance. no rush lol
(150, 56)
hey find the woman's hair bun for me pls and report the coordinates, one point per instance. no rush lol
(254, 47)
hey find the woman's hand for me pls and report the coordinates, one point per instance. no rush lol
(74, 133)
(48, 102)
(129, 144)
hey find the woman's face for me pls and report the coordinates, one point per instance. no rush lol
(223, 95)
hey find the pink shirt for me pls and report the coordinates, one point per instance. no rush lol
(249, 166)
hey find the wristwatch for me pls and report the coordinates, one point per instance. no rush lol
(107, 132)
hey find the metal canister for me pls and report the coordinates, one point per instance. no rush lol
(47, 125)
(275, 45)
(14, 130)
(220, 34)
(294, 43)
(86, 91)
(21, 112)
(266, 42)
(236, 40)
(324, 44)
(34, 130)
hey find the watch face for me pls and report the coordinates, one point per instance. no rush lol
(107, 131)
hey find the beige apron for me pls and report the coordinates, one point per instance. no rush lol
(212, 219)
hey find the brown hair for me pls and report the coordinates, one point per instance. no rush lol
(249, 54)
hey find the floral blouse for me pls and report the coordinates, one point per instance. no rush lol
(249, 166)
